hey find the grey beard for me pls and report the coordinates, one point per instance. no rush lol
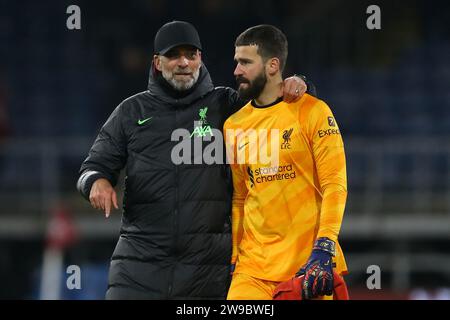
(181, 85)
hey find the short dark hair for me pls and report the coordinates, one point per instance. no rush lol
(270, 40)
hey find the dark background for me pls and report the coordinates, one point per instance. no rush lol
(388, 88)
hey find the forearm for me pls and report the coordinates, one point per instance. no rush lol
(237, 221)
(332, 211)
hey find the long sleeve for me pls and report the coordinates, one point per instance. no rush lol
(329, 157)
(107, 155)
(237, 214)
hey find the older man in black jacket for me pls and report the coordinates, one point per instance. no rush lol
(175, 240)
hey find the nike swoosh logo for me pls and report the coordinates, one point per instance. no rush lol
(240, 147)
(141, 122)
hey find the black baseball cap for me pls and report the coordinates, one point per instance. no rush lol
(174, 34)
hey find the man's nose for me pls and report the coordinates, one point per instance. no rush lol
(183, 62)
(238, 70)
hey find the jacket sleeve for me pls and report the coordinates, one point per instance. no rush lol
(234, 102)
(107, 155)
(310, 87)
(329, 156)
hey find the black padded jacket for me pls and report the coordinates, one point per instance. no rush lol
(175, 237)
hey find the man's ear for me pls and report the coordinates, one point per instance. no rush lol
(157, 62)
(273, 66)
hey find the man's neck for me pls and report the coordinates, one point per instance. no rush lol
(272, 91)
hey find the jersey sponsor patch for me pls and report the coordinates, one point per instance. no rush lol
(269, 174)
(328, 132)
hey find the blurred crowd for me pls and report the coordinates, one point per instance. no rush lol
(57, 87)
(372, 79)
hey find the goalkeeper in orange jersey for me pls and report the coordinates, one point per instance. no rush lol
(286, 212)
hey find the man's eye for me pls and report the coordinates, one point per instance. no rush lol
(176, 55)
(191, 55)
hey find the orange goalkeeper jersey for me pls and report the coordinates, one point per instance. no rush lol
(290, 185)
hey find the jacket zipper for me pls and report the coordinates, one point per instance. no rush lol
(175, 223)
(175, 236)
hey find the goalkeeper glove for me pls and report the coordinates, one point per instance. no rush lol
(318, 271)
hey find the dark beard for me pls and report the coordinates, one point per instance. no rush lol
(254, 89)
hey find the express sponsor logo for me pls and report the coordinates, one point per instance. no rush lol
(328, 132)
